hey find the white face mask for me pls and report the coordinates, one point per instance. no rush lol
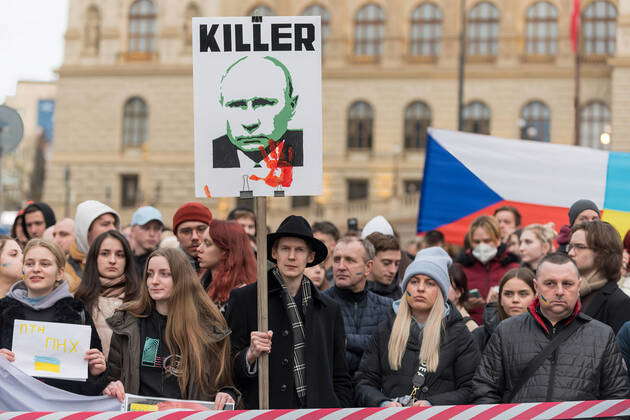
(484, 252)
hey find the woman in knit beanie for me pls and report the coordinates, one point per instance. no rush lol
(425, 355)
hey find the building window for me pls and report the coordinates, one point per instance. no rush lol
(482, 30)
(369, 30)
(360, 122)
(142, 26)
(192, 10)
(300, 201)
(426, 30)
(92, 38)
(599, 28)
(262, 10)
(318, 10)
(542, 29)
(535, 122)
(135, 116)
(412, 186)
(128, 190)
(477, 118)
(417, 121)
(595, 125)
(358, 189)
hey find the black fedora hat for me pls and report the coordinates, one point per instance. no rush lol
(297, 227)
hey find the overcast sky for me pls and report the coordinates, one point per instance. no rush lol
(31, 41)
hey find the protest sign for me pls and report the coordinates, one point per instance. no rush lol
(258, 106)
(51, 350)
(142, 403)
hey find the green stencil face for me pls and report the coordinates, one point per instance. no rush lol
(257, 96)
(150, 351)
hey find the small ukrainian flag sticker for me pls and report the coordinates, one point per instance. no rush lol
(47, 364)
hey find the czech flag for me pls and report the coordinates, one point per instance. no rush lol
(468, 175)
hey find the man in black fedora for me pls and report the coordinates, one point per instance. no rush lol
(306, 338)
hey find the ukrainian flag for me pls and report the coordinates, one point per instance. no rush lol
(47, 364)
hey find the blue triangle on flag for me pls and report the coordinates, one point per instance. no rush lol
(450, 191)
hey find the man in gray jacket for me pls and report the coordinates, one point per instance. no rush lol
(585, 366)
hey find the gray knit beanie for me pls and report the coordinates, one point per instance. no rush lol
(433, 262)
(578, 207)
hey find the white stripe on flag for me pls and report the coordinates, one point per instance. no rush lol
(250, 414)
(340, 414)
(597, 409)
(558, 409)
(472, 411)
(296, 414)
(515, 411)
(384, 413)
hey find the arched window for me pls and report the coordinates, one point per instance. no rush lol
(142, 26)
(535, 122)
(92, 36)
(369, 30)
(482, 29)
(595, 125)
(417, 120)
(318, 10)
(135, 116)
(192, 10)
(541, 29)
(262, 10)
(426, 30)
(599, 28)
(477, 118)
(360, 123)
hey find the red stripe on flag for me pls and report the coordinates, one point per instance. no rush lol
(576, 409)
(131, 415)
(575, 26)
(82, 415)
(269, 415)
(494, 411)
(535, 410)
(616, 409)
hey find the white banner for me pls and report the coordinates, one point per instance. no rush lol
(51, 350)
(258, 106)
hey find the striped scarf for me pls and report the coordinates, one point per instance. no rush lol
(299, 344)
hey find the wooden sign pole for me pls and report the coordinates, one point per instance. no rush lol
(260, 204)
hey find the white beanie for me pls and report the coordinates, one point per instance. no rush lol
(378, 224)
(87, 213)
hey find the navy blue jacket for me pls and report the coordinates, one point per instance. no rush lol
(362, 313)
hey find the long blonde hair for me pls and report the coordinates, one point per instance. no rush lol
(431, 335)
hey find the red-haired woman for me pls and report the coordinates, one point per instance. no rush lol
(226, 254)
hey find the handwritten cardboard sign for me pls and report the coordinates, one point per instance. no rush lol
(51, 350)
(258, 106)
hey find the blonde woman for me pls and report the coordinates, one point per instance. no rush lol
(426, 355)
(536, 242)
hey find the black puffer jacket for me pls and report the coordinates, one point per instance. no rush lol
(587, 366)
(450, 384)
(491, 319)
(362, 313)
(609, 305)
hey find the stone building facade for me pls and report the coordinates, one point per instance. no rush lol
(124, 118)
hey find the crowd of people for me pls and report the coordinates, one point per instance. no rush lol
(518, 314)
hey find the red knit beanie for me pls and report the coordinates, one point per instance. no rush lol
(191, 212)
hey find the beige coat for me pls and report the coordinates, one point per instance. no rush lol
(105, 308)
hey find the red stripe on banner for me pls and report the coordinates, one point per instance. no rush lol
(131, 415)
(451, 412)
(269, 415)
(31, 416)
(576, 409)
(494, 411)
(82, 415)
(317, 414)
(535, 410)
(407, 413)
(620, 407)
(361, 414)
(224, 415)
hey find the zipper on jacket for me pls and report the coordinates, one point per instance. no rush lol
(552, 374)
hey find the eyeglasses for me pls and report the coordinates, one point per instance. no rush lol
(188, 231)
(578, 247)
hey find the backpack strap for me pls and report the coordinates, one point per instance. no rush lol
(537, 361)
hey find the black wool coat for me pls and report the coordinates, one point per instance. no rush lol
(609, 305)
(327, 379)
(66, 311)
(449, 384)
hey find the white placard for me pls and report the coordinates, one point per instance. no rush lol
(258, 106)
(51, 350)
